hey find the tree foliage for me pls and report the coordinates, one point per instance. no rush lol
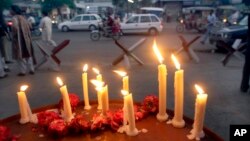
(49, 5)
(4, 4)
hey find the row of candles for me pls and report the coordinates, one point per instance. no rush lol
(129, 120)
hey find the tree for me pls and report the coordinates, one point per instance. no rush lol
(49, 5)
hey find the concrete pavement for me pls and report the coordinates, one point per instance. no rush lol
(226, 104)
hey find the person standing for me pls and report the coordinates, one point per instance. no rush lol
(46, 26)
(21, 42)
(246, 69)
(211, 19)
(31, 21)
(2, 34)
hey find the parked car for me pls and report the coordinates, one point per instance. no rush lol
(229, 34)
(81, 22)
(142, 23)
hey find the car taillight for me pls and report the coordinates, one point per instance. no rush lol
(9, 23)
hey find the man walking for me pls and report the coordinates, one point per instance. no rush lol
(211, 19)
(46, 26)
(21, 42)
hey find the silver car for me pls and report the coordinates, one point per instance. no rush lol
(81, 22)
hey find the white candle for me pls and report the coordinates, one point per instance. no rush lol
(125, 80)
(66, 102)
(85, 88)
(178, 91)
(162, 80)
(23, 105)
(131, 130)
(99, 78)
(200, 108)
(105, 100)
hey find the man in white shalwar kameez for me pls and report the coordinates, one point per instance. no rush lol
(46, 26)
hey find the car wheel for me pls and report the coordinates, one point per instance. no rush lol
(65, 28)
(92, 27)
(152, 31)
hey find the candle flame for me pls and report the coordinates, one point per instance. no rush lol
(124, 92)
(176, 62)
(157, 52)
(96, 70)
(121, 73)
(199, 89)
(85, 67)
(59, 81)
(97, 83)
(23, 88)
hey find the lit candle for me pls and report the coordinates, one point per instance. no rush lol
(128, 101)
(162, 79)
(23, 105)
(125, 121)
(178, 92)
(105, 100)
(99, 78)
(66, 102)
(125, 80)
(85, 87)
(200, 107)
(103, 92)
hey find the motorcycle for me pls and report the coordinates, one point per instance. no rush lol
(184, 25)
(113, 32)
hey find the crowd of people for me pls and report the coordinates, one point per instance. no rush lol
(21, 41)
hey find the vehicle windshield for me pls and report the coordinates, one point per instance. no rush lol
(244, 21)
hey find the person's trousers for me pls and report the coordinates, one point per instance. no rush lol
(2, 73)
(25, 64)
(246, 72)
(206, 35)
(4, 49)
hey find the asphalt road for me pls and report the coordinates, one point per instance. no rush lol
(226, 105)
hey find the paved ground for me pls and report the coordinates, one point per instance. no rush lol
(226, 105)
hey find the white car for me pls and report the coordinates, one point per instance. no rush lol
(142, 23)
(81, 22)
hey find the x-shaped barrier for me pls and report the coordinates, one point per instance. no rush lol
(50, 54)
(186, 46)
(128, 53)
(235, 50)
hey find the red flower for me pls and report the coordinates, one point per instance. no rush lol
(5, 133)
(139, 112)
(57, 128)
(78, 124)
(98, 123)
(116, 119)
(150, 104)
(74, 101)
(45, 118)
